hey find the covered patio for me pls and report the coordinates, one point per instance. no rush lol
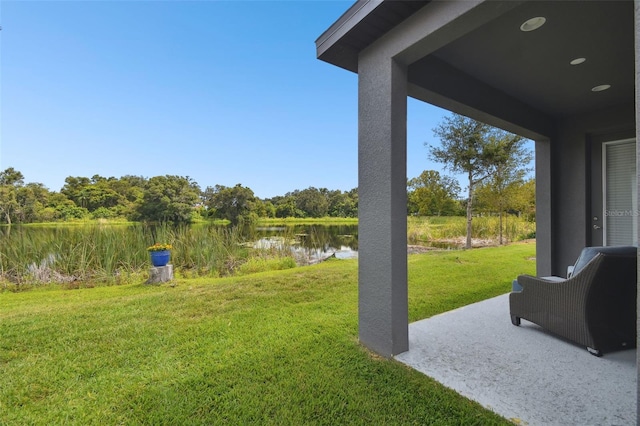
(563, 74)
(522, 373)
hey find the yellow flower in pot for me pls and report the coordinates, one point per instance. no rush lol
(160, 254)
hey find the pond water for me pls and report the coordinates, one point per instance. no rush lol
(312, 243)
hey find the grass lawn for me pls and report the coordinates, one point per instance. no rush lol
(271, 348)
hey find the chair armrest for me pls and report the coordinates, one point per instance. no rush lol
(516, 286)
(570, 269)
(544, 280)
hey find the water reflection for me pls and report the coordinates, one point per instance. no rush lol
(309, 243)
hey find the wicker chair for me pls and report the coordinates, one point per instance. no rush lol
(595, 307)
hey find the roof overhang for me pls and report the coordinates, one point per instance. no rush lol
(363, 23)
(477, 57)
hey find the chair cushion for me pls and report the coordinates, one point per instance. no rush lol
(589, 253)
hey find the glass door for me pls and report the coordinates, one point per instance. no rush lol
(620, 193)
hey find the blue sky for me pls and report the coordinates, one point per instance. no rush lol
(224, 92)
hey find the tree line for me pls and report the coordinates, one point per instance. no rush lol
(180, 200)
(168, 198)
(433, 194)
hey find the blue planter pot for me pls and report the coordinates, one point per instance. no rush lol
(160, 258)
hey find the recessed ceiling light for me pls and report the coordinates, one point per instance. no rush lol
(600, 88)
(578, 61)
(533, 23)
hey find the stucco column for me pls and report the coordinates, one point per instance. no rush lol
(637, 49)
(382, 205)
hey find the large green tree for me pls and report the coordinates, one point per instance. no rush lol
(110, 196)
(59, 207)
(313, 202)
(32, 198)
(131, 192)
(12, 177)
(431, 194)
(524, 201)
(343, 204)
(474, 149)
(75, 189)
(286, 206)
(502, 188)
(169, 199)
(234, 204)
(10, 182)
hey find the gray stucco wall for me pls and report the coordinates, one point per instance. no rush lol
(637, 122)
(569, 195)
(571, 170)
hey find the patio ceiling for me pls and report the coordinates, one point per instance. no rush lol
(497, 63)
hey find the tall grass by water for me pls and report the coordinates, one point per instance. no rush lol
(109, 254)
(452, 229)
(87, 255)
(275, 348)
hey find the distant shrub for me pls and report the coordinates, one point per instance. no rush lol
(102, 213)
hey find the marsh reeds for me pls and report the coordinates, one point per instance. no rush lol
(442, 229)
(107, 254)
(80, 256)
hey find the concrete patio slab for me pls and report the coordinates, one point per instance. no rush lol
(522, 373)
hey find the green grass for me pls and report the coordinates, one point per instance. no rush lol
(451, 279)
(269, 348)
